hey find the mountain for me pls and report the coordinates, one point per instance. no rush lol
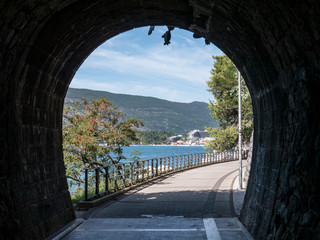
(157, 114)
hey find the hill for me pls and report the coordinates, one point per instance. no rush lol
(157, 114)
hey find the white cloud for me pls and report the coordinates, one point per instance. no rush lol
(162, 92)
(159, 62)
(135, 63)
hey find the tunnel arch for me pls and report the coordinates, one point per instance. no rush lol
(274, 45)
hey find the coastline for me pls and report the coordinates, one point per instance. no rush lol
(164, 145)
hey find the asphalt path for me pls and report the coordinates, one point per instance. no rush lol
(200, 203)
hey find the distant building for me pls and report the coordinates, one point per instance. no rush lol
(175, 138)
(197, 135)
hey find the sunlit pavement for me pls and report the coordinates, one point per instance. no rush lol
(201, 203)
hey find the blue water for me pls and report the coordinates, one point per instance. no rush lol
(149, 152)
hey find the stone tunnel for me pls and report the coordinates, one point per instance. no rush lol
(275, 45)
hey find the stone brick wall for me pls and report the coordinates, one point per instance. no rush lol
(246, 173)
(275, 44)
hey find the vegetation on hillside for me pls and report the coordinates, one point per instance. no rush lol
(223, 84)
(157, 114)
(154, 137)
(94, 134)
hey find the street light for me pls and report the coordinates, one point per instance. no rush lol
(239, 123)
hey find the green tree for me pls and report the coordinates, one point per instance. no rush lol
(223, 84)
(224, 138)
(94, 134)
(154, 137)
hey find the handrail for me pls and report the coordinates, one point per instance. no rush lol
(117, 176)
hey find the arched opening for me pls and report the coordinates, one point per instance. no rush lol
(133, 61)
(274, 45)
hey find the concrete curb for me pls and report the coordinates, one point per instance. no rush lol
(67, 229)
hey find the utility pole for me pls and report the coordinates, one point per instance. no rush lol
(240, 131)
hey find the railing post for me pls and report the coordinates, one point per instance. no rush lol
(86, 184)
(172, 162)
(152, 169)
(137, 172)
(163, 165)
(142, 170)
(148, 168)
(186, 160)
(156, 166)
(115, 175)
(131, 172)
(123, 174)
(168, 164)
(97, 181)
(106, 177)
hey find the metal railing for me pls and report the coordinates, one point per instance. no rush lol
(101, 181)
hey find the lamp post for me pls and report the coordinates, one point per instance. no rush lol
(240, 140)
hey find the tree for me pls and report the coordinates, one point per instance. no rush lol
(223, 84)
(154, 137)
(94, 135)
(224, 138)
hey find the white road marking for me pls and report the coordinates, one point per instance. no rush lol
(141, 230)
(211, 229)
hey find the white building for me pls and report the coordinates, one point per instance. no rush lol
(197, 135)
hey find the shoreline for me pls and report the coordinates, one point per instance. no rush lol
(164, 145)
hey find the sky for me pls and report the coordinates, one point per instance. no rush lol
(137, 64)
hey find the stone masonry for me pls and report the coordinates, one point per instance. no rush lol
(275, 44)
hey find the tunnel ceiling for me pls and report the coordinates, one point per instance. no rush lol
(275, 45)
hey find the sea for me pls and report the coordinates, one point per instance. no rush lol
(157, 151)
(153, 151)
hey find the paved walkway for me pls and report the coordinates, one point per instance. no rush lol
(194, 204)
